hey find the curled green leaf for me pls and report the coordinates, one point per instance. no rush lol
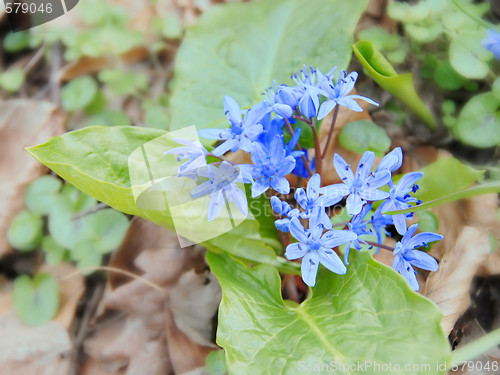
(399, 85)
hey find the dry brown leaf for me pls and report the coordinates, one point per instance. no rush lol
(449, 287)
(42, 350)
(23, 123)
(193, 303)
(185, 354)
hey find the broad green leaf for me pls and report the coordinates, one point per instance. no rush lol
(445, 176)
(78, 93)
(368, 315)
(468, 56)
(215, 362)
(95, 159)
(239, 49)
(399, 85)
(25, 231)
(478, 124)
(36, 301)
(41, 194)
(12, 80)
(363, 135)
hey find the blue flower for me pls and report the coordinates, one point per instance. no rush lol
(271, 165)
(337, 94)
(308, 200)
(316, 247)
(492, 42)
(400, 199)
(359, 188)
(358, 226)
(406, 256)
(221, 186)
(243, 131)
(308, 89)
(194, 152)
(391, 162)
(283, 209)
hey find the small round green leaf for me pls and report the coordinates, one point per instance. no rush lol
(15, 42)
(40, 196)
(363, 135)
(12, 80)
(78, 93)
(467, 55)
(478, 124)
(36, 301)
(446, 77)
(106, 228)
(122, 82)
(215, 362)
(427, 221)
(54, 252)
(25, 231)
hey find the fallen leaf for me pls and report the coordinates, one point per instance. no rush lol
(23, 123)
(449, 287)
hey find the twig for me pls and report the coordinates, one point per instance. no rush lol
(34, 60)
(96, 208)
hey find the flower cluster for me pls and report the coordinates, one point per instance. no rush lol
(266, 132)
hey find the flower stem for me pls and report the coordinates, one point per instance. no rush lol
(302, 118)
(330, 133)
(376, 244)
(317, 148)
(290, 129)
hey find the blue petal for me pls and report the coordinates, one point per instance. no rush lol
(297, 230)
(296, 250)
(282, 225)
(422, 239)
(276, 204)
(232, 110)
(259, 186)
(309, 104)
(215, 205)
(240, 199)
(365, 165)
(280, 184)
(343, 169)
(225, 147)
(354, 203)
(313, 186)
(331, 260)
(214, 133)
(309, 268)
(368, 100)
(334, 238)
(301, 197)
(350, 103)
(256, 113)
(422, 260)
(392, 161)
(407, 181)
(326, 108)
(283, 110)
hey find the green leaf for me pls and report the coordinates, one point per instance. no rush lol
(478, 124)
(41, 194)
(54, 253)
(25, 231)
(156, 117)
(95, 159)
(15, 42)
(445, 176)
(363, 135)
(468, 56)
(78, 93)
(427, 222)
(122, 82)
(370, 314)
(264, 40)
(12, 79)
(215, 362)
(36, 301)
(446, 77)
(106, 229)
(399, 85)
(109, 118)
